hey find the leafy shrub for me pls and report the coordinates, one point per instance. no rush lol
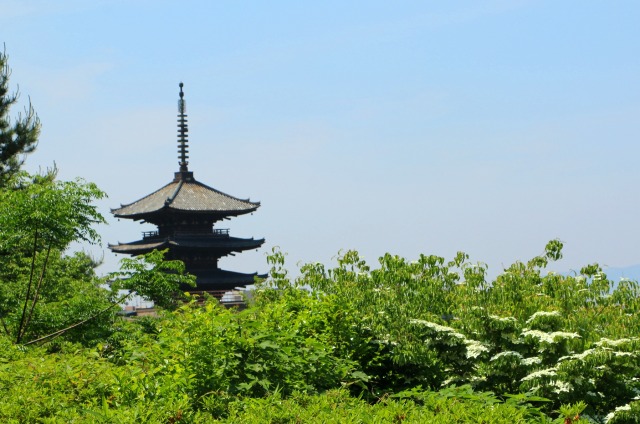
(417, 341)
(338, 406)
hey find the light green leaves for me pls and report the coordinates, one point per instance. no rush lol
(39, 218)
(54, 213)
(152, 277)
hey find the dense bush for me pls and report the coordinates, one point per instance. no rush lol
(82, 385)
(422, 341)
(432, 323)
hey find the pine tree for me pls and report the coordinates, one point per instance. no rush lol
(19, 136)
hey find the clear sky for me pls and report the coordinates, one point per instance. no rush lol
(406, 127)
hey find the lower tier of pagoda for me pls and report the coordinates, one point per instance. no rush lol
(219, 279)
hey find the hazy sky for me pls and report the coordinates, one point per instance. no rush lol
(407, 127)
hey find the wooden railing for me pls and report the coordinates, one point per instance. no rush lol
(217, 232)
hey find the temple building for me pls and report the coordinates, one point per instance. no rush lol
(186, 212)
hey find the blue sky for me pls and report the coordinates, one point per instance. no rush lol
(406, 127)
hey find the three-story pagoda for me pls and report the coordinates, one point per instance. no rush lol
(185, 212)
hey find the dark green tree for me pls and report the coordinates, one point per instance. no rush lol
(18, 136)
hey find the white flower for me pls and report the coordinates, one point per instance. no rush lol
(437, 327)
(562, 386)
(618, 409)
(549, 372)
(531, 361)
(578, 355)
(502, 319)
(543, 314)
(550, 337)
(609, 342)
(475, 349)
(507, 353)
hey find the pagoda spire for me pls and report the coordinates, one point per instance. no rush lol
(185, 213)
(183, 142)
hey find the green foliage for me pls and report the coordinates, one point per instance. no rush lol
(442, 323)
(84, 385)
(336, 406)
(39, 218)
(625, 414)
(43, 291)
(280, 347)
(71, 293)
(42, 212)
(571, 413)
(79, 385)
(423, 341)
(17, 138)
(152, 277)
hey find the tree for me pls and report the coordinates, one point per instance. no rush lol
(17, 137)
(151, 276)
(71, 293)
(39, 219)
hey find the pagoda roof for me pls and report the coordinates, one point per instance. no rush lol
(185, 194)
(229, 244)
(220, 279)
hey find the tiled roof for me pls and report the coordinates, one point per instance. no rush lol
(133, 248)
(187, 195)
(224, 280)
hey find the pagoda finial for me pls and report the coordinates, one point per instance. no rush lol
(183, 143)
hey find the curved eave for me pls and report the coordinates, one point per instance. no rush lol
(231, 244)
(186, 196)
(148, 216)
(224, 280)
(137, 248)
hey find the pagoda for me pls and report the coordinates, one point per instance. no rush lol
(185, 212)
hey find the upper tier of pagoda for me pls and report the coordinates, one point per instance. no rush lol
(185, 194)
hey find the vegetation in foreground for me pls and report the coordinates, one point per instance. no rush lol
(423, 341)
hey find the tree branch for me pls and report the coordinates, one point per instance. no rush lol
(37, 292)
(6, 330)
(26, 297)
(64, 330)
